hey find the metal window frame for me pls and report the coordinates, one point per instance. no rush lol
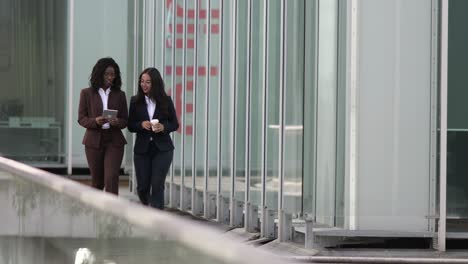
(172, 191)
(136, 63)
(71, 63)
(434, 114)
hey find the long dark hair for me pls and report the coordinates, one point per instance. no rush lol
(96, 79)
(157, 92)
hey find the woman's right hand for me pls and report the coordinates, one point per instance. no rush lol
(100, 120)
(146, 125)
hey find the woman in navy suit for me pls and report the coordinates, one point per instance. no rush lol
(153, 150)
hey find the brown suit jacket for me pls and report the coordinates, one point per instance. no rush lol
(91, 107)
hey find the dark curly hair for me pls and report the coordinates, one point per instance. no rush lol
(97, 75)
(157, 92)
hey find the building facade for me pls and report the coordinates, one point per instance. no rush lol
(326, 111)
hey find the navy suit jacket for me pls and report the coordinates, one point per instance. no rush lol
(138, 113)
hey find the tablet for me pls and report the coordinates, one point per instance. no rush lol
(109, 113)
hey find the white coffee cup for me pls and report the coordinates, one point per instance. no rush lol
(153, 123)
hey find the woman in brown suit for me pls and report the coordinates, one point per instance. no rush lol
(103, 139)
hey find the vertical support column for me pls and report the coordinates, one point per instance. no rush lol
(353, 114)
(443, 127)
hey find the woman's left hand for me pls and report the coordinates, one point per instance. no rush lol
(158, 128)
(114, 121)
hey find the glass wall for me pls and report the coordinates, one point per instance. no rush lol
(33, 70)
(261, 93)
(237, 70)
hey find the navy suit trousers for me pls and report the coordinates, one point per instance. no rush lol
(151, 169)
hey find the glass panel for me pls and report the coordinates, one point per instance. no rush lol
(256, 101)
(457, 136)
(241, 96)
(272, 129)
(33, 52)
(326, 112)
(294, 94)
(168, 69)
(310, 89)
(177, 94)
(213, 114)
(189, 98)
(226, 102)
(201, 100)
